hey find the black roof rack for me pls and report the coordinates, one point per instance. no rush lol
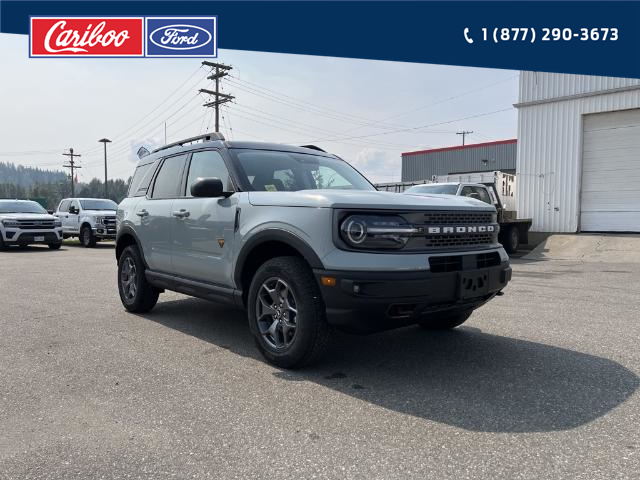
(205, 138)
(313, 147)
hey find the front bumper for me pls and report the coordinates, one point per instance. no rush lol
(366, 302)
(16, 236)
(105, 232)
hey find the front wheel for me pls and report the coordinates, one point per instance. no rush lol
(445, 321)
(87, 238)
(55, 246)
(136, 293)
(286, 313)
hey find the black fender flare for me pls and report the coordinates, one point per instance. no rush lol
(126, 230)
(275, 235)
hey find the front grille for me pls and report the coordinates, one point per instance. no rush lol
(457, 218)
(35, 224)
(488, 259)
(109, 221)
(459, 240)
(450, 221)
(445, 264)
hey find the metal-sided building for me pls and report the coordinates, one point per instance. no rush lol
(579, 152)
(479, 157)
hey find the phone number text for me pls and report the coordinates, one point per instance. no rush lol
(545, 34)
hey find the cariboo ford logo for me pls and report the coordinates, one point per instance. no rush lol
(181, 36)
(86, 37)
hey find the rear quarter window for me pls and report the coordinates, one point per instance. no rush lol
(141, 180)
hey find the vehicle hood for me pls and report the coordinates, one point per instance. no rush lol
(26, 216)
(366, 200)
(100, 213)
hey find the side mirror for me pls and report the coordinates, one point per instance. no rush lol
(208, 187)
(73, 210)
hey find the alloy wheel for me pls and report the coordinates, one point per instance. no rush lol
(277, 314)
(129, 278)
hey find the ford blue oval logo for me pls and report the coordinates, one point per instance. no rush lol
(180, 37)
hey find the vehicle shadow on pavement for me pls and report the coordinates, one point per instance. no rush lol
(465, 378)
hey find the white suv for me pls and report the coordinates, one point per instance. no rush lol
(23, 222)
(89, 219)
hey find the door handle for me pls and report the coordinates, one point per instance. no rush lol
(182, 213)
(142, 213)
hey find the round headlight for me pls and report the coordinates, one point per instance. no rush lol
(355, 229)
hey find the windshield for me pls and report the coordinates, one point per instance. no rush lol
(98, 205)
(21, 207)
(273, 171)
(435, 189)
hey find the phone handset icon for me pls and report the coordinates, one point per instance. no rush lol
(466, 36)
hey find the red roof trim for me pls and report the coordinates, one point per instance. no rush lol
(462, 147)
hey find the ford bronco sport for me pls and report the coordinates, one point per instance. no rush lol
(303, 242)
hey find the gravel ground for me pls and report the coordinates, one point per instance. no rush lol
(539, 383)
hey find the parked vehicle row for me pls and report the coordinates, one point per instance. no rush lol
(303, 242)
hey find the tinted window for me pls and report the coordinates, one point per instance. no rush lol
(270, 170)
(207, 164)
(141, 179)
(167, 181)
(64, 206)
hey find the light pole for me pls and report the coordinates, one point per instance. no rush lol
(106, 189)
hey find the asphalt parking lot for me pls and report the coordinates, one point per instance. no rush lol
(540, 383)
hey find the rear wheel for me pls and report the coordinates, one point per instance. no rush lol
(512, 239)
(286, 313)
(87, 238)
(136, 293)
(445, 321)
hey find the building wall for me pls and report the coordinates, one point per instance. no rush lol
(423, 165)
(549, 161)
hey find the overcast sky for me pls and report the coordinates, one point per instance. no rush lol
(368, 112)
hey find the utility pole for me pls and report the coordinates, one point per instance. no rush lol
(106, 188)
(464, 133)
(218, 70)
(73, 167)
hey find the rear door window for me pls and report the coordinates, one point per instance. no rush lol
(167, 183)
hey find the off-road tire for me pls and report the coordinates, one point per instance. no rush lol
(87, 238)
(445, 321)
(311, 330)
(3, 246)
(146, 295)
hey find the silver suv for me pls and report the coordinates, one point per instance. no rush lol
(89, 219)
(303, 242)
(24, 222)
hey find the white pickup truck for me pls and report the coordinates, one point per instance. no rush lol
(89, 219)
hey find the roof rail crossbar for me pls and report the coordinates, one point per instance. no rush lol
(206, 137)
(313, 147)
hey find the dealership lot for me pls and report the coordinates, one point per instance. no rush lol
(540, 383)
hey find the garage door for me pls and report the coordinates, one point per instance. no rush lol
(610, 193)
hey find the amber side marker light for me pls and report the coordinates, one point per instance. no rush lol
(328, 281)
